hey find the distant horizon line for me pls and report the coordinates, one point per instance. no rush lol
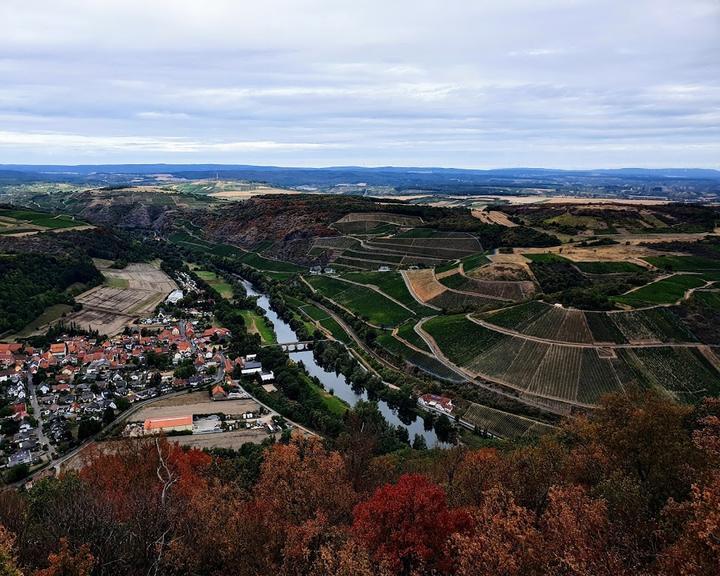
(352, 167)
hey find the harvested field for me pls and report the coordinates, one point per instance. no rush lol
(429, 290)
(493, 217)
(632, 252)
(504, 271)
(104, 322)
(245, 194)
(121, 300)
(232, 440)
(139, 288)
(424, 284)
(194, 404)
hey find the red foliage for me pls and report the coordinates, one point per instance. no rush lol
(408, 524)
(68, 563)
(131, 468)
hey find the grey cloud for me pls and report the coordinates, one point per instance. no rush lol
(575, 83)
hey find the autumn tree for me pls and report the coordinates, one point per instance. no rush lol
(577, 536)
(66, 562)
(503, 541)
(407, 525)
(8, 560)
(302, 479)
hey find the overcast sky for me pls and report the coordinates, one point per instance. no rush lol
(462, 83)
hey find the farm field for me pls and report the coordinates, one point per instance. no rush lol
(193, 404)
(267, 264)
(554, 323)
(50, 315)
(603, 267)
(329, 323)
(337, 331)
(684, 372)
(503, 290)
(386, 217)
(470, 263)
(432, 292)
(25, 221)
(361, 301)
(684, 263)
(109, 309)
(372, 240)
(407, 332)
(194, 244)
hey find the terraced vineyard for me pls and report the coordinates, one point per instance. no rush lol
(684, 263)
(505, 290)
(428, 289)
(541, 320)
(473, 262)
(26, 221)
(456, 301)
(503, 424)
(683, 371)
(578, 372)
(364, 248)
(602, 267)
(407, 332)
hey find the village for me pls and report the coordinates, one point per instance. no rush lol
(55, 398)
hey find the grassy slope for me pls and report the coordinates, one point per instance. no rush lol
(216, 282)
(267, 334)
(664, 291)
(363, 302)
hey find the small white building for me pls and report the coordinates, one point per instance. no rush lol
(175, 296)
(251, 368)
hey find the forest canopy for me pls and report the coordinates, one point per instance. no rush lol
(632, 489)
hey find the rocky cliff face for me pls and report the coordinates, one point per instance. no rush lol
(289, 222)
(126, 213)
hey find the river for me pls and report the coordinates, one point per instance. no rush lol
(334, 381)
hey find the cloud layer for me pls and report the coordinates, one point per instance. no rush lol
(558, 83)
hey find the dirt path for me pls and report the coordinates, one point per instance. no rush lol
(407, 343)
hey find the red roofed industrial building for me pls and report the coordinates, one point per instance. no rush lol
(177, 424)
